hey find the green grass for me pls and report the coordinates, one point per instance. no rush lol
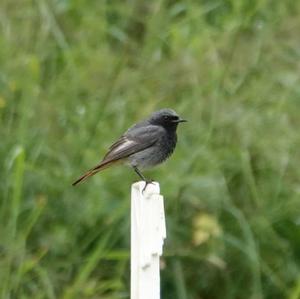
(75, 74)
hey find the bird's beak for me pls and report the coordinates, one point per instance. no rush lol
(181, 120)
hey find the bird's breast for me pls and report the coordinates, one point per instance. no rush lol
(155, 154)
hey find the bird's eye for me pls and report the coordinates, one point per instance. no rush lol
(166, 117)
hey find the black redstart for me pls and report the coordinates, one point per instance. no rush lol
(144, 145)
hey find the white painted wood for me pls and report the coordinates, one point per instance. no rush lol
(148, 231)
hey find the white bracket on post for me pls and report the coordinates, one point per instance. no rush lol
(148, 231)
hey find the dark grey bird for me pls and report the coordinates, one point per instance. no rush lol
(144, 145)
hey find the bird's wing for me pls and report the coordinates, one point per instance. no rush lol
(133, 141)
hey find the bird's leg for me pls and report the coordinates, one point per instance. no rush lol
(142, 177)
(139, 173)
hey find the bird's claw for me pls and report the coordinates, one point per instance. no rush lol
(147, 182)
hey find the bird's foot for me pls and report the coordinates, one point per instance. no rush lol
(147, 182)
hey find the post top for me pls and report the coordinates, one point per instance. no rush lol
(150, 189)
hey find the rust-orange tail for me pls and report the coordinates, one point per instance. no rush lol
(91, 172)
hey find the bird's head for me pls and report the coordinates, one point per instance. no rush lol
(167, 118)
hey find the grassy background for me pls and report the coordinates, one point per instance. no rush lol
(75, 74)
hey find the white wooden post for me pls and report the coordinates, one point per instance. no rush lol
(148, 231)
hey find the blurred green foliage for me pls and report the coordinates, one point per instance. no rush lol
(75, 74)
